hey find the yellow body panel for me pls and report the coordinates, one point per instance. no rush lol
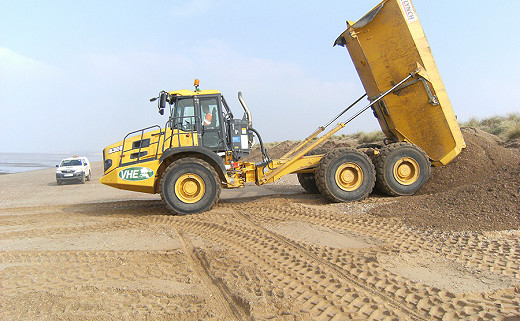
(126, 155)
(385, 46)
(137, 177)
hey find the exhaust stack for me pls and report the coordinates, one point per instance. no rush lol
(246, 109)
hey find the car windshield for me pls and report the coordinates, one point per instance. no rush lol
(71, 162)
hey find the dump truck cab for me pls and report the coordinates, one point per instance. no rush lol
(201, 113)
(206, 113)
(200, 125)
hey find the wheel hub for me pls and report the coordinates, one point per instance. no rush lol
(406, 171)
(349, 177)
(190, 188)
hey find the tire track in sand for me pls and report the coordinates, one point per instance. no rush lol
(337, 271)
(473, 249)
(313, 283)
(470, 248)
(220, 294)
(262, 251)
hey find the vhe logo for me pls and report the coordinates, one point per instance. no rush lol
(136, 174)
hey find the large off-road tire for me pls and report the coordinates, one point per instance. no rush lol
(189, 186)
(345, 174)
(308, 182)
(402, 168)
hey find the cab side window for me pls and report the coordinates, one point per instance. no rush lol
(209, 113)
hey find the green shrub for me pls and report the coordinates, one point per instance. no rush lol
(370, 137)
(505, 127)
(513, 131)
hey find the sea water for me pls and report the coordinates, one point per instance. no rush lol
(22, 162)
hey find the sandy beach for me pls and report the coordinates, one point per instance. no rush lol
(91, 252)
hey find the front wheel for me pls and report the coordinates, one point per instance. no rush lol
(189, 186)
(402, 168)
(345, 174)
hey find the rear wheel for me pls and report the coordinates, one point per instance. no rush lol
(402, 169)
(189, 186)
(308, 182)
(345, 175)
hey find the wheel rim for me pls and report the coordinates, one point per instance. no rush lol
(190, 188)
(406, 171)
(349, 177)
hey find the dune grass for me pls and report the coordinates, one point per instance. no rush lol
(506, 127)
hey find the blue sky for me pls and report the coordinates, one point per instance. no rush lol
(77, 75)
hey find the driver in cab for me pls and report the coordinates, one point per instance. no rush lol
(207, 117)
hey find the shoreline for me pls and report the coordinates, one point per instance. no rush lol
(23, 169)
(13, 163)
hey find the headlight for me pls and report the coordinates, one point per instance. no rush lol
(58, 171)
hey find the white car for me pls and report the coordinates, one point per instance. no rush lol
(73, 169)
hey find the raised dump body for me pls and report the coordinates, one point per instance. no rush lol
(386, 45)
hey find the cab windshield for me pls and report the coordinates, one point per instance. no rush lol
(184, 108)
(183, 115)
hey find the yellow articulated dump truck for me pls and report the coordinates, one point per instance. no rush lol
(199, 150)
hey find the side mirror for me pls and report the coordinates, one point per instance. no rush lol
(162, 102)
(57, 165)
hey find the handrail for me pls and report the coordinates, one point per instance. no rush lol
(172, 123)
(142, 131)
(193, 121)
